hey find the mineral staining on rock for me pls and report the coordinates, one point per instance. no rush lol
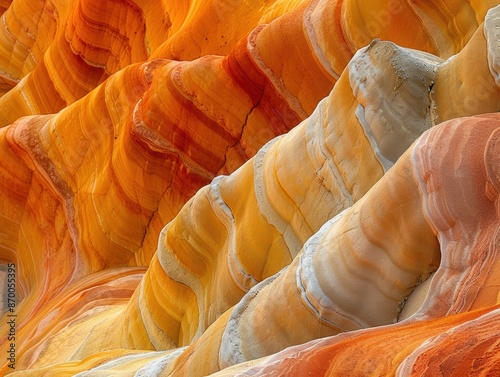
(155, 231)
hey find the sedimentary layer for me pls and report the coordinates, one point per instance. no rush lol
(160, 224)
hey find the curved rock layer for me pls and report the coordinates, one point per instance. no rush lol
(459, 313)
(344, 147)
(367, 279)
(87, 191)
(81, 198)
(65, 49)
(455, 211)
(462, 344)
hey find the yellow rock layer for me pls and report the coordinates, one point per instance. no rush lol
(348, 275)
(91, 192)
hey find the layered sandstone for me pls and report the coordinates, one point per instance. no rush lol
(130, 114)
(453, 216)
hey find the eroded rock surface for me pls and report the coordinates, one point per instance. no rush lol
(160, 225)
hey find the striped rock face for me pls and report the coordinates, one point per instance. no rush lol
(189, 188)
(453, 215)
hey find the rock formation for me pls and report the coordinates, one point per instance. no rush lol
(454, 235)
(144, 116)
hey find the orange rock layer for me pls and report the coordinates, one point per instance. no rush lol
(66, 49)
(115, 114)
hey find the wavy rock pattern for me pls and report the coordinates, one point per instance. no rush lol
(462, 344)
(87, 191)
(66, 49)
(289, 203)
(450, 222)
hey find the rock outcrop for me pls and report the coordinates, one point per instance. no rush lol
(155, 228)
(422, 217)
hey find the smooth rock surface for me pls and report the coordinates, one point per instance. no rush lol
(160, 225)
